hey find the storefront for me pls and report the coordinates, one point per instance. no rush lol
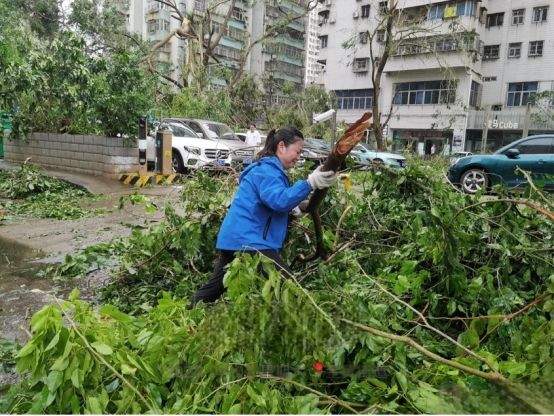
(422, 142)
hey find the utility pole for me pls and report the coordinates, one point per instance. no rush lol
(485, 131)
(527, 121)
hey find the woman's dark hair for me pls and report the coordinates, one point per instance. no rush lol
(288, 135)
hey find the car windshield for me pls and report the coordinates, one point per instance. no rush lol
(317, 144)
(222, 130)
(180, 130)
(367, 146)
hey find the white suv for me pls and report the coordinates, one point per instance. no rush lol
(191, 151)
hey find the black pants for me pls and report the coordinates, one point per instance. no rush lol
(213, 288)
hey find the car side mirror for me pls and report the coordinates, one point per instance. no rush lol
(512, 153)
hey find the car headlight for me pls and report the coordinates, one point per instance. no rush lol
(195, 150)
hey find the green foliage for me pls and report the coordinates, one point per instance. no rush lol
(32, 193)
(211, 105)
(468, 268)
(303, 105)
(57, 86)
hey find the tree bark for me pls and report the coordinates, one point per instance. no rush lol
(336, 158)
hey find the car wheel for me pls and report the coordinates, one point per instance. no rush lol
(377, 162)
(177, 162)
(474, 180)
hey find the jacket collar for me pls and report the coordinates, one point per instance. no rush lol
(267, 160)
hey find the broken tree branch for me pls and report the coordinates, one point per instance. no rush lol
(340, 151)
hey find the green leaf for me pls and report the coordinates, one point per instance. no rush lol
(102, 348)
(54, 380)
(112, 311)
(27, 349)
(75, 380)
(402, 380)
(513, 368)
(469, 338)
(53, 342)
(266, 291)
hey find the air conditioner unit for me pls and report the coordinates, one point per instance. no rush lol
(355, 15)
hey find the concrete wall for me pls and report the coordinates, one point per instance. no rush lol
(94, 155)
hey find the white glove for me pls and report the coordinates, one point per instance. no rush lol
(320, 180)
(296, 212)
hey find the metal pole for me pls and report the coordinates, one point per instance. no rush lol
(527, 121)
(334, 128)
(485, 132)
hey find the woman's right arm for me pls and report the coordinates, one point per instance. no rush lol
(281, 198)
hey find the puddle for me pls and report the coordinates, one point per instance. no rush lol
(21, 292)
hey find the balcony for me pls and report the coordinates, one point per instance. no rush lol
(433, 52)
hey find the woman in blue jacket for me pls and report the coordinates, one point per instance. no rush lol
(258, 217)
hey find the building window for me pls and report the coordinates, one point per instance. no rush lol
(425, 92)
(540, 14)
(363, 37)
(514, 50)
(518, 16)
(520, 93)
(323, 40)
(354, 99)
(475, 95)
(466, 8)
(491, 52)
(238, 14)
(381, 36)
(383, 7)
(489, 79)
(495, 19)
(361, 65)
(322, 64)
(156, 25)
(535, 48)
(436, 11)
(365, 11)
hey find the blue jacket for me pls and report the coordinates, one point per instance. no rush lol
(258, 216)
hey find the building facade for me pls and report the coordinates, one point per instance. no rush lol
(462, 83)
(274, 61)
(279, 60)
(313, 67)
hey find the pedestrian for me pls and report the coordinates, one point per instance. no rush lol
(258, 217)
(253, 137)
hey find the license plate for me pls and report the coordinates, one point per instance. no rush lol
(220, 162)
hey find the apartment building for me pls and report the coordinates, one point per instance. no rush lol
(469, 75)
(279, 60)
(275, 61)
(313, 67)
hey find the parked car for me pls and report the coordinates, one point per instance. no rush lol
(190, 151)
(454, 157)
(365, 156)
(240, 153)
(534, 154)
(315, 150)
(263, 137)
